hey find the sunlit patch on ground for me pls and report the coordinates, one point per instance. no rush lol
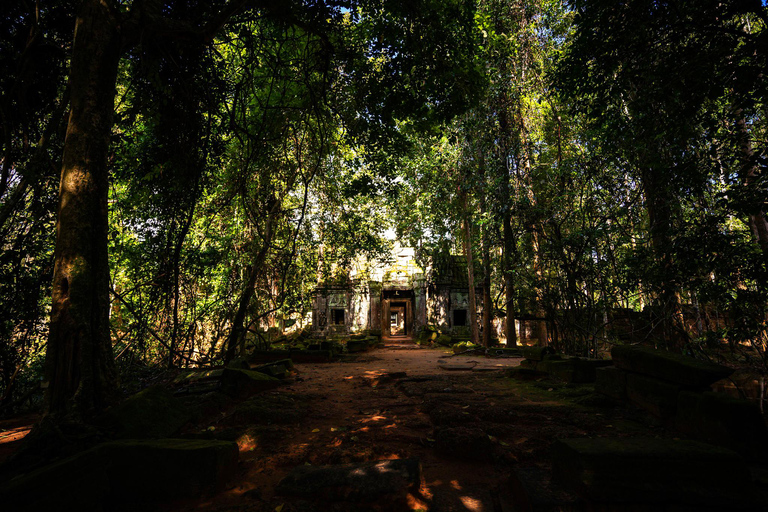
(472, 504)
(14, 434)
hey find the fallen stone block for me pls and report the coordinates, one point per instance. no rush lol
(526, 374)
(532, 490)
(277, 369)
(79, 482)
(674, 368)
(129, 471)
(612, 382)
(239, 363)
(640, 472)
(575, 370)
(311, 356)
(165, 469)
(198, 376)
(537, 353)
(151, 413)
(357, 346)
(366, 482)
(444, 340)
(464, 443)
(656, 396)
(240, 383)
(725, 421)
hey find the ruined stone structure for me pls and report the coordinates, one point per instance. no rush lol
(399, 299)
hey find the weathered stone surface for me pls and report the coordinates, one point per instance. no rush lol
(246, 382)
(526, 374)
(464, 443)
(611, 381)
(162, 469)
(197, 376)
(656, 471)
(532, 491)
(277, 369)
(151, 413)
(239, 363)
(267, 409)
(575, 370)
(367, 482)
(675, 368)
(79, 482)
(656, 396)
(128, 471)
(360, 345)
(725, 421)
(537, 353)
(444, 340)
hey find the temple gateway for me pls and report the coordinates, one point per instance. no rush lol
(399, 299)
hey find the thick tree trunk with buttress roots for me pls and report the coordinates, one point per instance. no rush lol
(79, 366)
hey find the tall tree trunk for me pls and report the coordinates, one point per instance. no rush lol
(486, 260)
(750, 174)
(79, 365)
(472, 313)
(487, 300)
(658, 206)
(509, 242)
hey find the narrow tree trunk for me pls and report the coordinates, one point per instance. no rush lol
(79, 366)
(486, 261)
(472, 313)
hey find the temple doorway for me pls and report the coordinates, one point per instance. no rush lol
(397, 315)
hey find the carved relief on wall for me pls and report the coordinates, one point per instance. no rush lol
(337, 300)
(459, 300)
(322, 318)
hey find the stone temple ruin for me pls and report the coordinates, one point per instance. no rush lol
(398, 299)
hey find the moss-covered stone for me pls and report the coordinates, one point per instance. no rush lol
(656, 396)
(725, 421)
(163, 469)
(536, 353)
(636, 471)
(242, 383)
(129, 471)
(612, 382)
(674, 368)
(444, 340)
(151, 413)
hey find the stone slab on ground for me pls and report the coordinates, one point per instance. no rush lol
(129, 471)
(464, 443)
(526, 374)
(151, 413)
(532, 490)
(725, 421)
(612, 382)
(675, 368)
(536, 353)
(576, 370)
(164, 469)
(79, 482)
(242, 383)
(360, 345)
(366, 482)
(643, 471)
(656, 396)
(277, 369)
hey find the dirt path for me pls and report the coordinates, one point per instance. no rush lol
(468, 428)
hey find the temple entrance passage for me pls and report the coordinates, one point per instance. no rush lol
(397, 314)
